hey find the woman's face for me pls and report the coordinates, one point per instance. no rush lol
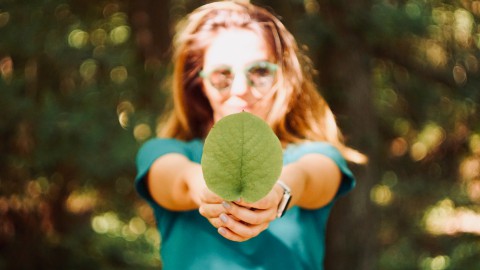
(237, 74)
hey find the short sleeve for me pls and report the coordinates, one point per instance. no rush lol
(151, 151)
(295, 152)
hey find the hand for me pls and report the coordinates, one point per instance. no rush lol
(240, 221)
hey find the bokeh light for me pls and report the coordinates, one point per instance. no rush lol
(119, 74)
(6, 68)
(124, 110)
(439, 262)
(446, 219)
(381, 195)
(463, 26)
(4, 18)
(82, 201)
(429, 138)
(88, 69)
(78, 38)
(120, 34)
(141, 132)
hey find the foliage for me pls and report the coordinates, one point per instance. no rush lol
(67, 86)
(81, 87)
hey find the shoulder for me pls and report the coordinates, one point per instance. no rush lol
(293, 152)
(155, 148)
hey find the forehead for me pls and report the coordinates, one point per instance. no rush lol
(235, 47)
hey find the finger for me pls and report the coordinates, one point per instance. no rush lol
(211, 210)
(209, 196)
(250, 216)
(240, 231)
(219, 221)
(230, 235)
(245, 204)
(269, 201)
(216, 222)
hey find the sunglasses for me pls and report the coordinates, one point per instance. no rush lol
(259, 75)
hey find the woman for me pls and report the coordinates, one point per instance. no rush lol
(232, 57)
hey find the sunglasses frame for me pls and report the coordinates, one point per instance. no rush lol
(263, 64)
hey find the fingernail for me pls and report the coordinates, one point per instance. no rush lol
(222, 230)
(224, 218)
(226, 205)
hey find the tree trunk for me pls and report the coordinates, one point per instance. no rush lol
(352, 240)
(346, 76)
(151, 23)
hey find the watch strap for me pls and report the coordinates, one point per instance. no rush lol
(283, 205)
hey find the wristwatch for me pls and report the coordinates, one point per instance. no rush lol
(283, 205)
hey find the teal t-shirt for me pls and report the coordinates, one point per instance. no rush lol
(189, 241)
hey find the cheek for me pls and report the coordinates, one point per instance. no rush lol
(265, 107)
(213, 97)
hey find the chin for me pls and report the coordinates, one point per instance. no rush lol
(233, 110)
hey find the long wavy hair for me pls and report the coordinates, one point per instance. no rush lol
(299, 113)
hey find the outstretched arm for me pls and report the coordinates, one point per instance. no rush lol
(176, 183)
(314, 180)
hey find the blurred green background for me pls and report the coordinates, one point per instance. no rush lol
(83, 84)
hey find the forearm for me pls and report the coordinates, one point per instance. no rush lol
(314, 180)
(170, 181)
(295, 178)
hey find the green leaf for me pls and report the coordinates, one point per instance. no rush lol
(242, 158)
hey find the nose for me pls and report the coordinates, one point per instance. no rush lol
(239, 85)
